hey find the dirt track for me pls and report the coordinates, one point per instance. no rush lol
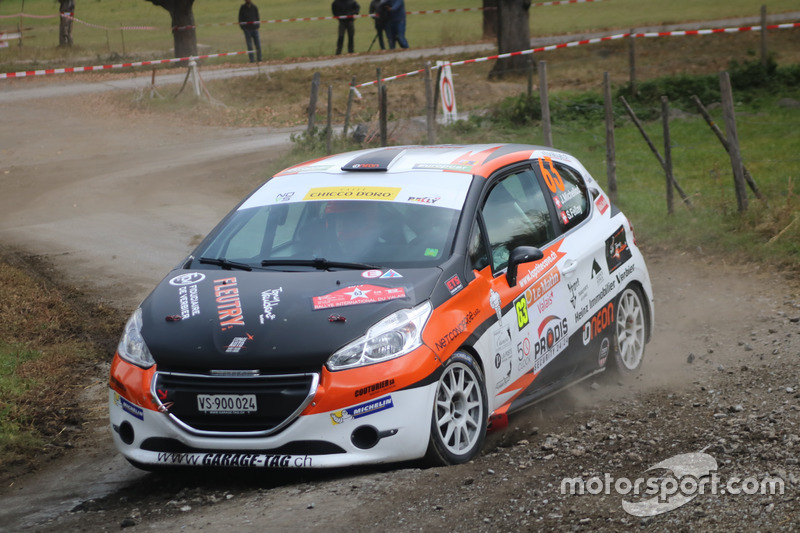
(114, 202)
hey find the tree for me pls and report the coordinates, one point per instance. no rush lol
(184, 35)
(66, 7)
(489, 19)
(513, 35)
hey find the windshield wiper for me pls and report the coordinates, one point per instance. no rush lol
(320, 263)
(225, 264)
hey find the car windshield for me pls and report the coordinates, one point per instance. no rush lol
(358, 232)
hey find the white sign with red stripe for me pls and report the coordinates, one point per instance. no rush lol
(447, 92)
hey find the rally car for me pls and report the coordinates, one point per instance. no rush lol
(379, 306)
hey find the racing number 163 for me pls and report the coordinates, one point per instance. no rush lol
(551, 177)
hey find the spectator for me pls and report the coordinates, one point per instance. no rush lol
(380, 21)
(396, 23)
(249, 22)
(345, 8)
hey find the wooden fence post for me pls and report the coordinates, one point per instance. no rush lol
(667, 151)
(707, 116)
(733, 140)
(350, 93)
(611, 158)
(653, 149)
(764, 36)
(632, 61)
(547, 130)
(383, 116)
(312, 103)
(429, 105)
(329, 124)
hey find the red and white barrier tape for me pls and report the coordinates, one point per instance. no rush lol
(69, 70)
(571, 44)
(584, 42)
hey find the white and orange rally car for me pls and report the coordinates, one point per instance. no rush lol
(378, 306)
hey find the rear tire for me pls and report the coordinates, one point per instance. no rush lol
(459, 417)
(630, 332)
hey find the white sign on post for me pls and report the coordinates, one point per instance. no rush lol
(447, 93)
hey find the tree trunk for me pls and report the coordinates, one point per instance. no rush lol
(489, 19)
(184, 35)
(513, 35)
(65, 25)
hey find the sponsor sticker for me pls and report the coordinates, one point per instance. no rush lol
(362, 410)
(352, 193)
(617, 250)
(602, 204)
(246, 460)
(356, 295)
(454, 284)
(269, 301)
(229, 305)
(130, 408)
(553, 339)
(187, 279)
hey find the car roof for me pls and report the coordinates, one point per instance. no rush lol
(477, 159)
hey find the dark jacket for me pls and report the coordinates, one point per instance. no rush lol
(249, 13)
(341, 8)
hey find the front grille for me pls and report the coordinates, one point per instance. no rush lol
(279, 399)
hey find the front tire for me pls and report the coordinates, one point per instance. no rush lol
(458, 421)
(631, 332)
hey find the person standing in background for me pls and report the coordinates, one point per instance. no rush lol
(250, 23)
(345, 8)
(380, 21)
(396, 23)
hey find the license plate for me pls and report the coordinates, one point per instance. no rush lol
(226, 404)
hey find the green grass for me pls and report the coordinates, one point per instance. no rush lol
(216, 34)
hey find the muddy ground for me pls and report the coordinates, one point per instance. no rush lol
(114, 202)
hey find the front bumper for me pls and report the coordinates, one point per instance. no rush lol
(376, 425)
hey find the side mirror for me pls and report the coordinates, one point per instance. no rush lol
(519, 255)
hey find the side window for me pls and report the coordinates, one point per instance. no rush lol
(515, 214)
(569, 193)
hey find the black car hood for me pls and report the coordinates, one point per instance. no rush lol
(201, 320)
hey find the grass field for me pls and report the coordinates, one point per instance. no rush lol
(216, 32)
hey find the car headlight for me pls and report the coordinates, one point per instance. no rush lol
(132, 347)
(395, 335)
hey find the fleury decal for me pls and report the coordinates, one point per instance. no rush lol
(553, 338)
(617, 250)
(381, 404)
(229, 306)
(269, 300)
(359, 294)
(352, 193)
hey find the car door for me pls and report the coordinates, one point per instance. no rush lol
(532, 313)
(584, 264)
